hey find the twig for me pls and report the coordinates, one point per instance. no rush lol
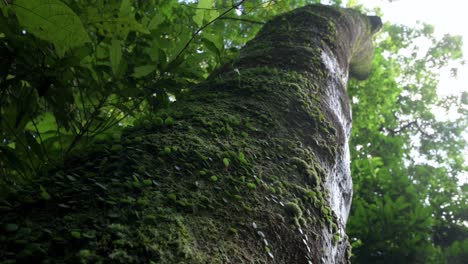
(201, 8)
(205, 26)
(86, 127)
(40, 137)
(25, 146)
(243, 20)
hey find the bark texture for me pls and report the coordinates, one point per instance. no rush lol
(251, 166)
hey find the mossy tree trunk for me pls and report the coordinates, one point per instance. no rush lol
(251, 166)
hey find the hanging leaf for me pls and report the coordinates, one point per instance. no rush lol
(211, 46)
(52, 21)
(144, 70)
(115, 53)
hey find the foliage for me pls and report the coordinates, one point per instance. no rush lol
(73, 72)
(77, 71)
(408, 206)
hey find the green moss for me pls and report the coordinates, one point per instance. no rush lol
(169, 121)
(251, 185)
(336, 238)
(293, 210)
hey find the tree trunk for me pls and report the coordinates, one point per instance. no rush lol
(251, 166)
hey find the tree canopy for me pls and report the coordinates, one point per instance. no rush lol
(77, 72)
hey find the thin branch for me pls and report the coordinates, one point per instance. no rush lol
(243, 20)
(25, 146)
(205, 26)
(40, 138)
(86, 127)
(404, 127)
(201, 8)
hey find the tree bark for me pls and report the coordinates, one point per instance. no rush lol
(251, 166)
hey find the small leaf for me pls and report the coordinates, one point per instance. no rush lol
(167, 150)
(226, 162)
(251, 185)
(242, 159)
(147, 182)
(44, 194)
(75, 234)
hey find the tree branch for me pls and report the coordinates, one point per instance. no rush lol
(203, 27)
(243, 20)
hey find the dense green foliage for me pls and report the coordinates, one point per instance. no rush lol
(408, 206)
(103, 65)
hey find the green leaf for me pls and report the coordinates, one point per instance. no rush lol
(211, 46)
(52, 21)
(157, 20)
(226, 162)
(125, 8)
(201, 9)
(75, 234)
(144, 70)
(115, 53)
(44, 194)
(242, 159)
(153, 52)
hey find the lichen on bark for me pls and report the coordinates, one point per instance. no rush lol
(236, 171)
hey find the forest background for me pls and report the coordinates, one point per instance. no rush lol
(60, 92)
